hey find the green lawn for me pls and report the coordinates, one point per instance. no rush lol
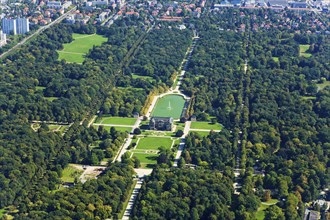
(260, 214)
(169, 106)
(205, 125)
(323, 85)
(302, 50)
(54, 127)
(50, 98)
(122, 129)
(148, 78)
(146, 158)
(75, 51)
(62, 128)
(40, 88)
(309, 97)
(69, 173)
(202, 133)
(116, 121)
(2, 212)
(153, 143)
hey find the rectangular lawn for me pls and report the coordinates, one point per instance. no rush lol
(201, 133)
(122, 129)
(205, 125)
(153, 143)
(116, 121)
(146, 158)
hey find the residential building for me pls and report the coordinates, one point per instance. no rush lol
(22, 25)
(54, 4)
(100, 2)
(161, 123)
(3, 39)
(9, 26)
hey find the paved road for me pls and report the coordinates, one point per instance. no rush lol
(130, 204)
(59, 19)
(128, 140)
(182, 143)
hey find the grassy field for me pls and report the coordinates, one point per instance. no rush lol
(153, 143)
(321, 86)
(146, 158)
(40, 88)
(122, 129)
(169, 106)
(2, 212)
(201, 133)
(302, 50)
(69, 173)
(116, 121)
(54, 127)
(75, 51)
(309, 97)
(50, 98)
(148, 78)
(205, 125)
(260, 214)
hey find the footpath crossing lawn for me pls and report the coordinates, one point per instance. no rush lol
(147, 148)
(75, 51)
(116, 121)
(205, 125)
(153, 143)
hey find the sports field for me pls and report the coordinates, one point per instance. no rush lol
(205, 125)
(169, 106)
(116, 121)
(75, 51)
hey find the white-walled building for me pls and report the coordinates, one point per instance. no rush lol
(3, 39)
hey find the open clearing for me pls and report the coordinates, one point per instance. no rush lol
(302, 50)
(70, 173)
(153, 143)
(116, 121)
(169, 106)
(122, 129)
(205, 125)
(201, 133)
(260, 214)
(321, 86)
(146, 158)
(75, 51)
